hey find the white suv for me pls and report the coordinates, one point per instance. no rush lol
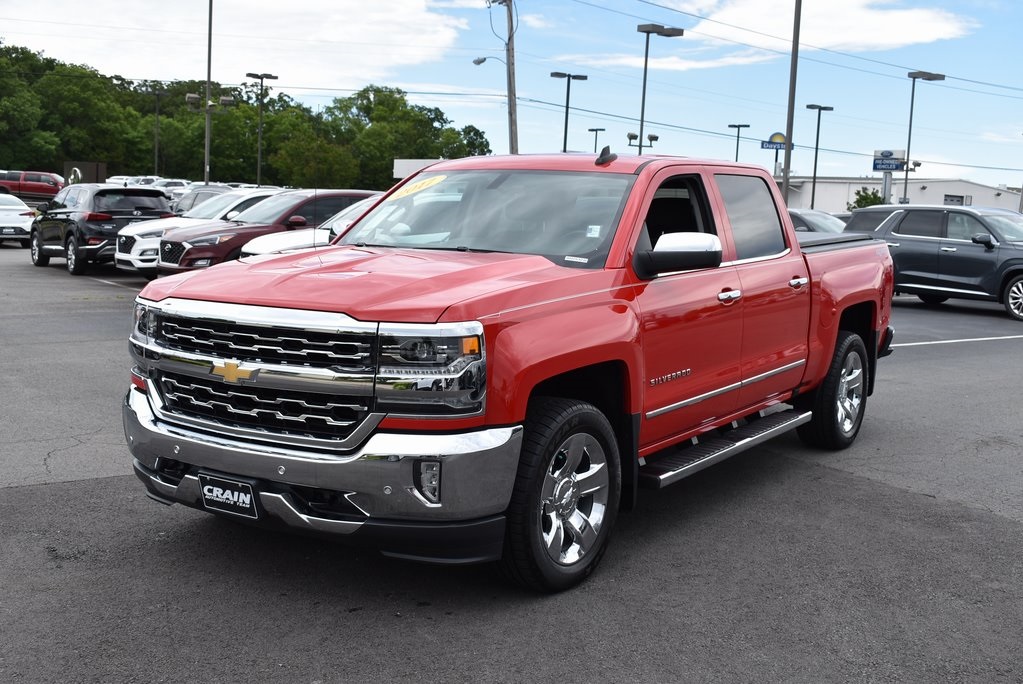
(138, 244)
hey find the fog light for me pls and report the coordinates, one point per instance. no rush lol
(428, 480)
(201, 262)
(148, 252)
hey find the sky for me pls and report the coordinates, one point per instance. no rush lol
(731, 66)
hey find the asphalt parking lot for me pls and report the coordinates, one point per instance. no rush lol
(899, 559)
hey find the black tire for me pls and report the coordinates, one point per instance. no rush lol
(839, 403)
(1012, 296)
(932, 300)
(76, 264)
(557, 530)
(38, 258)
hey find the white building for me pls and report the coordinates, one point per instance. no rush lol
(834, 194)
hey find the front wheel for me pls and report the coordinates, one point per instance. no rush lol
(1013, 298)
(839, 403)
(76, 264)
(566, 496)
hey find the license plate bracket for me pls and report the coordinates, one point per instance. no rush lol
(236, 496)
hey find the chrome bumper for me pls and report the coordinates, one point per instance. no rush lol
(477, 470)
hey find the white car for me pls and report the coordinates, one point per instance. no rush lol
(15, 220)
(319, 236)
(138, 244)
(169, 185)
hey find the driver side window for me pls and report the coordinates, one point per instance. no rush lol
(678, 206)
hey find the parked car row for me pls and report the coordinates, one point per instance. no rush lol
(133, 226)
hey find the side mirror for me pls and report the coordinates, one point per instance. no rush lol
(984, 239)
(296, 222)
(43, 207)
(231, 214)
(678, 252)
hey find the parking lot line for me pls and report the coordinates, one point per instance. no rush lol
(969, 339)
(110, 282)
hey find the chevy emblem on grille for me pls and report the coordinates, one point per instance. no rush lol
(232, 372)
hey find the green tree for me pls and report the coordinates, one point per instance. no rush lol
(865, 198)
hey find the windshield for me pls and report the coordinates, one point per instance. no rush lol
(823, 222)
(1009, 226)
(569, 217)
(270, 209)
(216, 206)
(337, 223)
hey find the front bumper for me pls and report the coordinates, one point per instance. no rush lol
(379, 503)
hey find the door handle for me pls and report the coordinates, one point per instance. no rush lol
(948, 249)
(798, 282)
(729, 296)
(892, 244)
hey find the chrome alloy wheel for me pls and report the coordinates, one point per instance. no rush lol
(850, 393)
(1014, 299)
(573, 499)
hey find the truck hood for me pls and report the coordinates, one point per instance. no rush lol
(367, 283)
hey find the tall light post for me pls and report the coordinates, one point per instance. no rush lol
(209, 78)
(738, 129)
(156, 131)
(926, 76)
(513, 130)
(259, 126)
(568, 94)
(595, 132)
(816, 146)
(659, 30)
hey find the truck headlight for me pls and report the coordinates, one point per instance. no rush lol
(432, 370)
(144, 327)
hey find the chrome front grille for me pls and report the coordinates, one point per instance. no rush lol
(271, 410)
(343, 350)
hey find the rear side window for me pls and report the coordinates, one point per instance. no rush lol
(866, 221)
(756, 228)
(921, 224)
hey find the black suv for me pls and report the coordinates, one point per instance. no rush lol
(81, 222)
(943, 252)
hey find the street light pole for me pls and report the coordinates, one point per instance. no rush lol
(206, 102)
(926, 76)
(816, 146)
(595, 132)
(667, 32)
(568, 94)
(259, 126)
(738, 129)
(156, 132)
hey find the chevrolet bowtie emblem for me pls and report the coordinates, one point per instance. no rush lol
(232, 372)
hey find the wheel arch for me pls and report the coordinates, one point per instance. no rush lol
(606, 386)
(1010, 273)
(859, 318)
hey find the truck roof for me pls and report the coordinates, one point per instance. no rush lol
(577, 161)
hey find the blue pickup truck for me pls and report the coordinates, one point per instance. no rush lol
(944, 252)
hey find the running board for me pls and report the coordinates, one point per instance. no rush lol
(684, 461)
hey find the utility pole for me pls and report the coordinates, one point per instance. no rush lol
(513, 124)
(794, 61)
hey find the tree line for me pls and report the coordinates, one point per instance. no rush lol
(52, 112)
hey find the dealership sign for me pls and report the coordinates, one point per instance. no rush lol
(889, 160)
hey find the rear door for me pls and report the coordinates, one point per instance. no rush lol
(50, 225)
(775, 290)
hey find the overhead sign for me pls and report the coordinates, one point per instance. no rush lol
(775, 142)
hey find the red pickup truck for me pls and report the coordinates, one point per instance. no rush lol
(492, 361)
(30, 185)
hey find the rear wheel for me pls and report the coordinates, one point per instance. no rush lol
(1013, 298)
(839, 403)
(931, 299)
(566, 496)
(76, 264)
(38, 258)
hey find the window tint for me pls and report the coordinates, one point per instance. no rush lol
(963, 226)
(33, 178)
(921, 224)
(13, 176)
(866, 221)
(756, 229)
